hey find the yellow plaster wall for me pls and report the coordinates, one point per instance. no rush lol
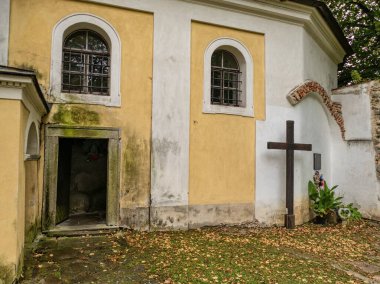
(24, 114)
(30, 46)
(222, 147)
(31, 196)
(10, 172)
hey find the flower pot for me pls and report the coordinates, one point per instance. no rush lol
(320, 220)
(332, 218)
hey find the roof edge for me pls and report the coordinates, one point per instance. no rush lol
(7, 70)
(327, 15)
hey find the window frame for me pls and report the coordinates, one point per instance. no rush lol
(65, 27)
(245, 62)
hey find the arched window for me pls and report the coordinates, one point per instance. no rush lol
(228, 78)
(85, 63)
(225, 79)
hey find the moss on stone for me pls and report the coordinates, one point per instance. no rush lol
(61, 214)
(27, 66)
(75, 115)
(133, 159)
(31, 234)
(6, 273)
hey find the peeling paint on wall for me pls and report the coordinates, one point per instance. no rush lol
(133, 157)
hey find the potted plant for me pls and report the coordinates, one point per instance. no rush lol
(324, 202)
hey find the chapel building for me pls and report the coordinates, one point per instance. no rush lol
(155, 115)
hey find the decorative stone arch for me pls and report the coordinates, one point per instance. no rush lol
(309, 87)
(62, 29)
(245, 61)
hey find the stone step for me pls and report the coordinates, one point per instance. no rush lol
(66, 231)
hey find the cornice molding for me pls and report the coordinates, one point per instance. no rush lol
(12, 84)
(289, 12)
(284, 11)
(28, 94)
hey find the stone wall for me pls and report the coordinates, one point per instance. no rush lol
(355, 161)
(375, 108)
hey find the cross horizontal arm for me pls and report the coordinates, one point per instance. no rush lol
(277, 145)
(302, 147)
(286, 146)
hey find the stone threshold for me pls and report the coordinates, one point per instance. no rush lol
(81, 230)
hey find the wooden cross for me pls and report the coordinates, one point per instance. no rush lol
(289, 146)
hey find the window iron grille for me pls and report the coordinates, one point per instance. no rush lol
(85, 64)
(225, 79)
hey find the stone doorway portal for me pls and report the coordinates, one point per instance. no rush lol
(81, 187)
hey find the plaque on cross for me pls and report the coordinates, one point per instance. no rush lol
(290, 147)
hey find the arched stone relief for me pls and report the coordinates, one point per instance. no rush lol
(298, 93)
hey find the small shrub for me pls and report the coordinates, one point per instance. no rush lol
(324, 200)
(355, 214)
(356, 77)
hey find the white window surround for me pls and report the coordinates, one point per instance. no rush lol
(62, 29)
(246, 67)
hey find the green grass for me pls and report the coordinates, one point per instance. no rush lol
(261, 256)
(308, 254)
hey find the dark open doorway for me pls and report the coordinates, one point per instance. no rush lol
(82, 182)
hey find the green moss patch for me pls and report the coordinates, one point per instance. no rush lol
(6, 273)
(75, 115)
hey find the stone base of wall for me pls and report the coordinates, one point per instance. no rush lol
(194, 216)
(302, 212)
(169, 217)
(216, 214)
(135, 218)
(183, 217)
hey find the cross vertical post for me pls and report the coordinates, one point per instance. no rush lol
(289, 217)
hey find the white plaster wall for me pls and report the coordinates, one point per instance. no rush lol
(354, 172)
(317, 65)
(286, 46)
(171, 107)
(312, 126)
(171, 77)
(4, 31)
(356, 108)
(353, 160)
(270, 165)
